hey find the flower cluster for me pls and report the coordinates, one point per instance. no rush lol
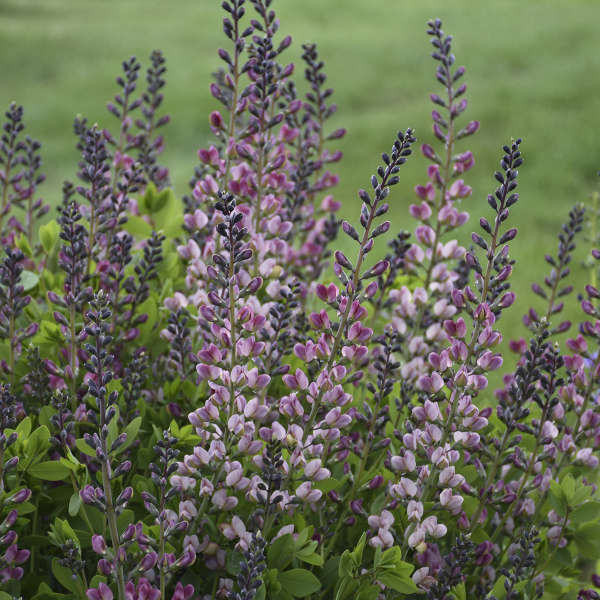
(211, 399)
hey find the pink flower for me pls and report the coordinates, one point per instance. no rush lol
(102, 592)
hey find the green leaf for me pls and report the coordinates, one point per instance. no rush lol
(233, 563)
(137, 227)
(310, 557)
(48, 234)
(399, 583)
(346, 567)
(46, 412)
(49, 334)
(326, 485)
(23, 245)
(64, 576)
(281, 552)
(568, 487)
(346, 587)
(582, 493)
(29, 280)
(50, 470)
(393, 557)
(132, 431)
(74, 504)
(587, 538)
(368, 591)
(85, 448)
(459, 592)
(35, 447)
(24, 428)
(261, 592)
(357, 553)
(125, 518)
(25, 508)
(150, 308)
(45, 593)
(558, 499)
(299, 582)
(586, 512)
(148, 200)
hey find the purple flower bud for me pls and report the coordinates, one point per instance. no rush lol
(294, 106)
(371, 289)
(9, 538)
(340, 259)
(21, 496)
(51, 367)
(130, 531)
(381, 229)
(149, 561)
(337, 134)
(216, 120)
(105, 567)
(356, 507)
(429, 152)
(11, 463)
(504, 273)
(376, 482)
(507, 300)
(208, 313)
(437, 100)
(333, 496)
(102, 592)
(439, 134)
(349, 230)
(98, 544)
(511, 234)
(588, 307)
(56, 299)
(377, 270)
(592, 292)
(88, 494)
(11, 519)
(254, 285)
(31, 329)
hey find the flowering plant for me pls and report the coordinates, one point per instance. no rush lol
(193, 405)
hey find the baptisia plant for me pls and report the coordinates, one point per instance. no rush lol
(213, 399)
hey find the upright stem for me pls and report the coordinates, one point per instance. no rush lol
(355, 285)
(111, 514)
(594, 237)
(363, 461)
(235, 77)
(162, 553)
(11, 348)
(112, 526)
(9, 157)
(72, 357)
(454, 401)
(443, 191)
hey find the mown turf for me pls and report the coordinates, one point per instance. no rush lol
(532, 70)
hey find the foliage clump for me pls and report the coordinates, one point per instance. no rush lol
(210, 399)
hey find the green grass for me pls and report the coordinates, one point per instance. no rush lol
(532, 71)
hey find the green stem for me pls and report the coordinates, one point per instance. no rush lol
(112, 525)
(162, 557)
(594, 226)
(443, 190)
(11, 349)
(83, 510)
(72, 357)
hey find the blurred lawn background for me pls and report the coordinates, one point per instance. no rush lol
(533, 70)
